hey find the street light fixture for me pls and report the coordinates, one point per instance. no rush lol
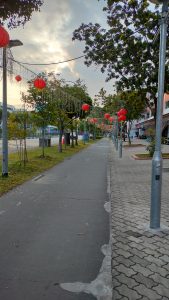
(156, 181)
(12, 43)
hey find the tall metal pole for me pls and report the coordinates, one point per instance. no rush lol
(120, 144)
(157, 158)
(4, 119)
(117, 133)
(84, 133)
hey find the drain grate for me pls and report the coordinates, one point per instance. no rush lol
(133, 233)
(165, 169)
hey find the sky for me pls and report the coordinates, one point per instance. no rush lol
(47, 37)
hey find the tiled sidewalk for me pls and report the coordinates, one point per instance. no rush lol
(140, 256)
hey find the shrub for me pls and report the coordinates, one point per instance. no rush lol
(151, 147)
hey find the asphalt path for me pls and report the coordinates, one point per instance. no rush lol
(52, 229)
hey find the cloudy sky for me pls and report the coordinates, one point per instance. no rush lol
(48, 38)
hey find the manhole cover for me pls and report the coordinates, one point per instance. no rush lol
(133, 233)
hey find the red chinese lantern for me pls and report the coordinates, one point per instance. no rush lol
(111, 119)
(123, 111)
(122, 118)
(4, 37)
(39, 83)
(107, 116)
(85, 107)
(18, 78)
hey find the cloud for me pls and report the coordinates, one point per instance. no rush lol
(48, 38)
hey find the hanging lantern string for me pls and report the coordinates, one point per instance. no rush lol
(11, 57)
(64, 96)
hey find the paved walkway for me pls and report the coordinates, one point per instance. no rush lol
(140, 256)
(54, 232)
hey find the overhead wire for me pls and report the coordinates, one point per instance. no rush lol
(48, 64)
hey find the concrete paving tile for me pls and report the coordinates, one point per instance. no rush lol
(139, 253)
(162, 291)
(116, 282)
(165, 258)
(147, 281)
(159, 279)
(137, 246)
(141, 261)
(149, 293)
(130, 282)
(124, 261)
(124, 253)
(136, 240)
(143, 270)
(129, 293)
(157, 261)
(159, 270)
(148, 251)
(116, 295)
(123, 246)
(124, 270)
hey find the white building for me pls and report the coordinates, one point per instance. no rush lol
(139, 126)
(10, 108)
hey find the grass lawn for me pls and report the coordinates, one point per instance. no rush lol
(18, 173)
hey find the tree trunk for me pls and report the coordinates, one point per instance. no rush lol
(25, 159)
(72, 142)
(60, 148)
(43, 141)
(60, 141)
(77, 136)
(128, 133)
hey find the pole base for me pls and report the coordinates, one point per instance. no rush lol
(4, 175)
(156, 183)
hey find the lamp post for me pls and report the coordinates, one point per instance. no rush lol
(156, 180)
(85, 108)
(12, 43)
(121, 118)
(117, 134)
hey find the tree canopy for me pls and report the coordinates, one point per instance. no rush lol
(79, 91)
(126, 50)
(18, 12)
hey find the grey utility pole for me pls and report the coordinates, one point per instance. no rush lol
(4, 119)
(117, 133)
(12, 43)
(157, 161)
(121, 143)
